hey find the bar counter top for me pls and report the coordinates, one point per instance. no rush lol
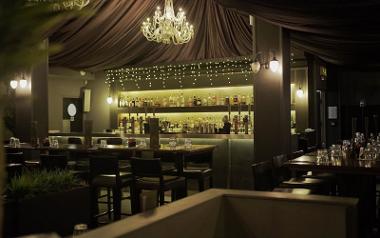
(162, 135)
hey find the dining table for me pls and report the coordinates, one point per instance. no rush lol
(178, 153)
(354, 178)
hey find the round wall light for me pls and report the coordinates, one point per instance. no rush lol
(13, 84)
(109, 100)
(255, 66)
(300, 92)
(23, 83)
(274, 65)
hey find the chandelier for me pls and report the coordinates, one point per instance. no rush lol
(168, 28)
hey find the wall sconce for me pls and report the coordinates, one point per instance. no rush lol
(300, 92)
(273, 64)
(13, 83)
(23, 83)
(109, 100)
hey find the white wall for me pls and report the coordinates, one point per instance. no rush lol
(67, 85)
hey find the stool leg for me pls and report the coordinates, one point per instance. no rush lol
(109, 203)
(94, 206)
(116, 194)
(201, 185)
(162, 197)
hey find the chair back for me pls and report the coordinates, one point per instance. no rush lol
(53, 162)
(74, 140)
(142, 167)
(263, 176)
(112, 140)
(16, 157)
(280, 172)
(202, 158)
(104, 165)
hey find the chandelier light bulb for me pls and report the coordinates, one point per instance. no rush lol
(13, 84)
(274, 65)
(299, 93)
(23, 83)
(109, 100)
(255, 66)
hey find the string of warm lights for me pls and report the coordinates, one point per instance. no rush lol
(119, 77)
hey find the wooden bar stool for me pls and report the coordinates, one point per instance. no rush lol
(148, 175)
(104, 173)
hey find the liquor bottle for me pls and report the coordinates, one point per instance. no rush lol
(182, 100)
(189, 102)
(195, 101)
(243, 100)
(204, 101)
(235, 100)
(227, 101)
(214, 100)
(199, 101)
(133, 102)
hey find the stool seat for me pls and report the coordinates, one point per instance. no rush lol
(310, 174)
(308, 183)
(109, 180)
(170, 182)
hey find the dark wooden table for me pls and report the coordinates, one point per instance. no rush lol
(179, 152)
(355, 178)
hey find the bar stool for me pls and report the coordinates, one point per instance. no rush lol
(197, 167)
(104, 173)
(147, 174)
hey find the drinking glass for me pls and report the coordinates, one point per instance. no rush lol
(17, 143)
(103, 143)
(172, 142)
(188, 143)
(12, 142)
(322, 156)
(79, 229)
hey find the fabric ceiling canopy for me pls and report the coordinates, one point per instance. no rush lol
(340, 32)
(112, 38)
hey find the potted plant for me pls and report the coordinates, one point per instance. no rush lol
(45, 201)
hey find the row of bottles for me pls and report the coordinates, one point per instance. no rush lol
(181, 101)
(200, 125)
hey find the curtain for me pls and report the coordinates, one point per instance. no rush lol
(340, 32)
(112, 38)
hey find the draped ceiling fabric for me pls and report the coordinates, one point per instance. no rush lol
(343, 32)
(111, 37)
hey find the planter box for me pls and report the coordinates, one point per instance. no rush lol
(57, 212)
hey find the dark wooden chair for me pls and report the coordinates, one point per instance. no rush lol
(74, 140)
(53, 162)
(283, 177)
(15, 157)
(148, 175)
(105, 173)
(263, 179)
(263, 176)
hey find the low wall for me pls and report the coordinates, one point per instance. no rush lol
(218, 213)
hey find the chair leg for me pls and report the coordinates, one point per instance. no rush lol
(135, 199)
(211, 182)
(116, 195)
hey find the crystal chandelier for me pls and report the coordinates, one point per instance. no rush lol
(168, 28)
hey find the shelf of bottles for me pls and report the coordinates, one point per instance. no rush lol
(201, 110)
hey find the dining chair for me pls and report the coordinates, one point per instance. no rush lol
(53, 161)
